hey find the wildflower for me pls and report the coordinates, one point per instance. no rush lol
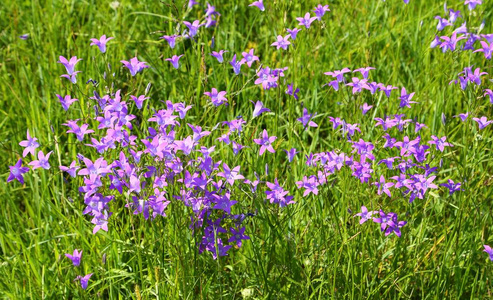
(249, 58)
(236, 65)
(386, 89)
(72, 78)
(293, 32)
(42, 161)
(69, 65)
(440, 143)
(75, 257)
(174, 61)
(101, 43)
(488, 250)
(192, 3)
(383, 186)
(487, 49)
(230, 175)
(293, 92)
(17, 171)
(237, 236)
(471, 4)
(84, 280)
(291, 154)
(454, 15)
(463, 117)
(306, 20)
(218, 55)
(30, 144)
(134, 66)
(364, 214)
(364, 71)
(358, 84)
(277, 194)
(71, 170)
(24, 36)
(139, 101)
(217, 98)
(442, 23)
(452, 186)
(320, 11)
(211, 11)
(436, 42)
(450, 43)
(482, 122)
(489, 93)
(406, 98)
(282, 42)
(78, 131)
(193, 27)
(365, 108)
(338, 74)
(171, 39)
(265, 143)
(259, 109)
(259, 4)
(66, 101)
(306, 119)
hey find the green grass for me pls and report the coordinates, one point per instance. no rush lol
(313, 249)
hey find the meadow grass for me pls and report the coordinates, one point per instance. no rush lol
(313, 249)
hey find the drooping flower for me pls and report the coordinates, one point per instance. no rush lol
(482, 122)
(471, 4)
(101, 43)
(174, 61)
(488, 250)
(259, 4)
(84, 280)
(171, 39)
(218, 55)
(193, 27)
(259, 109)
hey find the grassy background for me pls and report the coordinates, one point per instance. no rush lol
(312, 249)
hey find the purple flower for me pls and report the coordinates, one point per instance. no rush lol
(174, 61)
(450, 43)
(291, 154)
(79, 132)
(406, 98)
(452, 186)
(463, 116)
(84, 280)
(66, 101)
(249, 58)
(217, 98)
(440, 143)
(386, 89)
(293, 32)
(24, 36)
(134, 66)
(72, 78)
(487, 49)
(365, 108)
(338, 74)
(364, 71)
(282, 42)
(230, 175)
(101, 43)
(471, 4)
(211, 11)
(489, 93)
(42, 161)
(236, 65)
(171, 39)
(306, 20)
(383, 186)
(488, 250)
(358, 84)
(259, 109)
(259, 4)
(139, 101)
(71, 170)
(193, 27)
(237, 236)
(364, 214)
(292, 92)
(69, 65)
(442, 23)
(219, 55)
(30, 144)
(454, 15)
(265, 143)
(306, 119)
(482, 122)
(320, 11)
(17, 171)
(75, 257)
(192, 3)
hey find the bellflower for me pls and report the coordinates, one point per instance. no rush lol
(84, 280)
(320, 11)
(101, 43)
(69, 64)
(174, 61)
(193, 27)
(42, 161)
(282, 42)
(249, 58)
(488, 250)
(482, 122)
(293, 32)
(306, 20)
(66, 101)
(364, 214)
(487, 49)
(134, 65)
(30, 145)
(265, 143)
(171, 39)
(75, 257)
(259, 4)
(17, 171)
(217, 98)
(259, 109)
(218, 55)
